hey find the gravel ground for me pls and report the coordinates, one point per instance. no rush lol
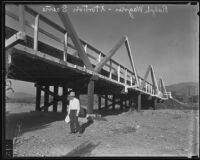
(146, 133)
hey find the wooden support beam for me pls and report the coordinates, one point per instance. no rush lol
(99, 102)
(21, 18)
(45, 108)
(38, 98)
(57, 97)
(68, 26)
(106, 101)
(116, 102)
(125, 77)
(19, 37)
(113, 102)
(90, 97)
(99, 58)
(55, 102)
(155, 85)
(46, 98)
(65, 47)
(109, 55)
(110, 74)
(155, 100)
(139, 102)
(121, 102)
(118, 73)
(131, 60)
(35, 43)
(64, 101)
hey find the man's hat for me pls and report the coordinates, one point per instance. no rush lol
(72, 94)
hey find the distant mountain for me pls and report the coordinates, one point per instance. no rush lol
(183, 91)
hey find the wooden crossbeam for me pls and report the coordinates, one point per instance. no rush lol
(15, 39)
(131, 60)
(116, 102)
(46, 106)
(68, 26)
(109, 55)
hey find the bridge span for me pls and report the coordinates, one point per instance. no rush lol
(77, 66)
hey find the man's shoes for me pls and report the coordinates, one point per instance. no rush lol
(72, 132)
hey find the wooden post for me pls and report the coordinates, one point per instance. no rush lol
(106, 101)
(121, 102)
(145, 87)
(131, 81)
(55, 102)
(125, 78)
(99, 102)
(90, 96)
(99, 59)
(65, 47)
(139, 101)
(46, 98)
(64, 101)
(113, 102)
(118, 74)
(110, 74)
(38, 97)
(155, 100)
(21, 18)
(35, 44)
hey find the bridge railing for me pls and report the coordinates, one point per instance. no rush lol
(116, 71)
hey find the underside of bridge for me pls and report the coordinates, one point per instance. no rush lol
(29, 59)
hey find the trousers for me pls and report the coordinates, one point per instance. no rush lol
(74, 124)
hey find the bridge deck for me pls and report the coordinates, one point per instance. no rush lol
(33, 59)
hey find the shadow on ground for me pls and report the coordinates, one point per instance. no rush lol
(109, 112)
(19, 123)
(83, 149)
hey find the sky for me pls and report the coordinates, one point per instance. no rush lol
(165, 36)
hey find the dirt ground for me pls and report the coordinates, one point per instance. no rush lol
(129, 133)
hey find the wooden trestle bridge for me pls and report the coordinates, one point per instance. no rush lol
(78, 66)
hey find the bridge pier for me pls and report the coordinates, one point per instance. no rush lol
(113, 102)
(99, 102)
(106, 101)
(155, 100)
(64, 100)
(38, 97)
(55, 102)
(139, 101)
(46, 98)
(90, 97)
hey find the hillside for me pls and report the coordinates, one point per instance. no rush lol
(184, 91)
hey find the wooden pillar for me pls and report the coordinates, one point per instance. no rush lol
(38, 97)
(99, 103)
(64, 101)
(55, 102)
(139, 101)
(65, 47)
(46, 98)
(21, 18)
(113, 102)
(35, 44)
(90, 97)
(121, 102)
(106, 101)
(154, 103)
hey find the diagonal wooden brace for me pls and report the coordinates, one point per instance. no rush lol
(68, 26)
(110, 54)
(131, 60)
